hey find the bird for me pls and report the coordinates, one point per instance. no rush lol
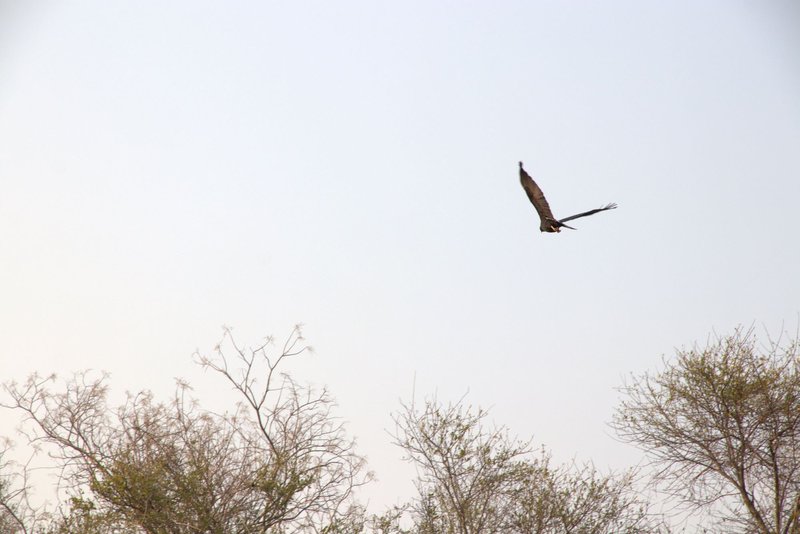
(548, 222)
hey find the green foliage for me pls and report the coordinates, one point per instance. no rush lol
(82, 517)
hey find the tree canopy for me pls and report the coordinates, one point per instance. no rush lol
(722, 425)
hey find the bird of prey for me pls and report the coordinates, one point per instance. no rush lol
(548, 222)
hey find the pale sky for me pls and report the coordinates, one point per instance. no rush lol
(167, 168)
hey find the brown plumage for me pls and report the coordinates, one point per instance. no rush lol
(548, 222)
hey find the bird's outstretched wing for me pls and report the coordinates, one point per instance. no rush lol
(535, 195)
(590, 212)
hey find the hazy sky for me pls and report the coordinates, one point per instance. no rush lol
(170, 167)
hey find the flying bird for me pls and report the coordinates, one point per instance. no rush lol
(548, 222)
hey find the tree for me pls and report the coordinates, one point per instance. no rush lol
(578, 499)
(15, 511)
(722, 425)
(281, 462)
(472, 480)
(467, 476)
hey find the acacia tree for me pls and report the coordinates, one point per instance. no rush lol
(722, 425)
(280, 462)
(474, 480)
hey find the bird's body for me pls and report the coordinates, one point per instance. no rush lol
(548, 222)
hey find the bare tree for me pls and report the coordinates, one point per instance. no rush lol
(722, 425)
(281, 462)
(473, 480)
